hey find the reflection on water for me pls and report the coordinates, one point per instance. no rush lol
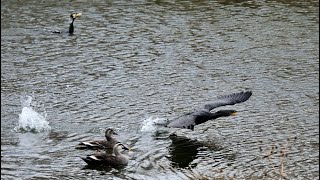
(103, 168)
(129, 62)
(182, 151)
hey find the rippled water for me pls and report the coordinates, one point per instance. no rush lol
(130, 63)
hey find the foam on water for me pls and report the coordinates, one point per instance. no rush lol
(30, 120)
(150, 124)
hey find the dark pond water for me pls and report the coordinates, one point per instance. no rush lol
(133, 62)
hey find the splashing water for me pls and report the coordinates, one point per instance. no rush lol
(30, 120)
(150, 124)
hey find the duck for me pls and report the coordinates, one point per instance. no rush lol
(100, 158)
(203, 114)
(73, 16)
(107, 143)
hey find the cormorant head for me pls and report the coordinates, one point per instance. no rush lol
(75, 15)
(227, 112)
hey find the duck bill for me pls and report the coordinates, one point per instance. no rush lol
(126, 148)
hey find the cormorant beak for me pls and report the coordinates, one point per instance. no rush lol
(75, 15)
(115, 133)
(234, 114)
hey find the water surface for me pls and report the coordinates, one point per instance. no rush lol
(128, 62)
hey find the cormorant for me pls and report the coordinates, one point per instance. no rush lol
(189, 120)
(73, 16)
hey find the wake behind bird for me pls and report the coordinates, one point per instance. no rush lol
(150, 124)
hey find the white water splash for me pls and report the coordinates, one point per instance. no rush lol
(150, 124)
(30, 120)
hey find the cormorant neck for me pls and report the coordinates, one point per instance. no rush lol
(71, 28)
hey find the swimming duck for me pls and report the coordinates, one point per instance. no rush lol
(202, 115)
(108, 143)
(102, 158)
(73, 16)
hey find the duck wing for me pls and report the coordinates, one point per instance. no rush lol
(103, 159)
(95, 144)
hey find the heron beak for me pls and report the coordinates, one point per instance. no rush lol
(233, 114)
